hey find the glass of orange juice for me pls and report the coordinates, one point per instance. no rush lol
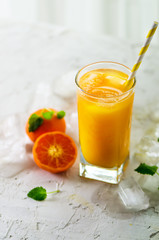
(104, 118)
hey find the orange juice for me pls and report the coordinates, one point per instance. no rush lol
(104, 115)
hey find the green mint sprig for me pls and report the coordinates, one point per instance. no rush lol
(146, 169)
(61, 114)
(48, 115)
(34, 122)
(39, 193)
(143, 168)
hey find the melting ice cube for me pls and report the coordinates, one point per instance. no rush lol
(148, 150)
(65, 86)
(132, 195)
(14, 158)
(154, 114)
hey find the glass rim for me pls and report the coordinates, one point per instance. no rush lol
(104, 97)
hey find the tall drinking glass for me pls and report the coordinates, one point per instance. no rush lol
(104, 117)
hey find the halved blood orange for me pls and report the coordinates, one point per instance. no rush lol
(54, 152)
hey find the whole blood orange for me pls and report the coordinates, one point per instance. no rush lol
(54, 152)
(47, 125)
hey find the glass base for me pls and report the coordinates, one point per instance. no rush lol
(109, 175)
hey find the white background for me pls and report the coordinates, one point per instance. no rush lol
(125, 19)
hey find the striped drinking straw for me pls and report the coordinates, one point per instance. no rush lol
(141, 54)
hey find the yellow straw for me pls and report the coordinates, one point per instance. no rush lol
(141, 54)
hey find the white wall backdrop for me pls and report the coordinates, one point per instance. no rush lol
(127, 19)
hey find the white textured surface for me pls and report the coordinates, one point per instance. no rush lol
(84, 209)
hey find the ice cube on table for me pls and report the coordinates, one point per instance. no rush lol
(147, 150)
(13, 154)
(154, 114)
(150, 183)
(132, 195)
(44, 97)
(153, 131)
(65, 86)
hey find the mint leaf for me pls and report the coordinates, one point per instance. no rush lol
(61, 114)
(48, 115)
(146, 169)
(34, 122)
(38, 193)
(157, 139)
